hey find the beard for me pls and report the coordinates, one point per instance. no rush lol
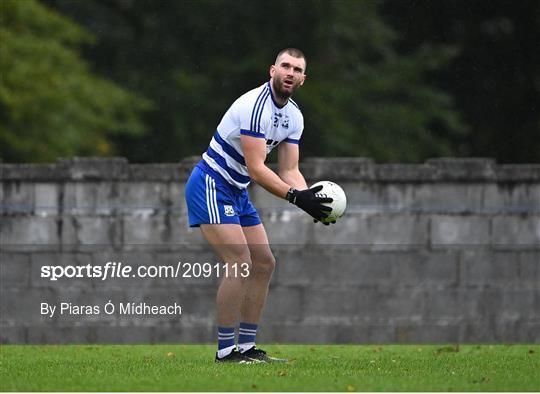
(279, 91)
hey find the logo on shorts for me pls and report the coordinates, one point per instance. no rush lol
(229, 210)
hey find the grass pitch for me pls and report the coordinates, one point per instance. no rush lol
(312, 368)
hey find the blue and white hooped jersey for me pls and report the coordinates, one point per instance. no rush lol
(255, 114)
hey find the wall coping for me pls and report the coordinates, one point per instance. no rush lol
(343, 169)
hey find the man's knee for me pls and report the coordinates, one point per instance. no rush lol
(264, 263)
(238, 254)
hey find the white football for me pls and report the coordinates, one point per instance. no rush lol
(334, 191)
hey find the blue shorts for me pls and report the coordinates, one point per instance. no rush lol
(212, 200)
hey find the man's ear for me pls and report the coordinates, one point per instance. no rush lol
(272, 70)
(303, 80)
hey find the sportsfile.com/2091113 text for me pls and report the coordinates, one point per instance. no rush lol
(113, 269)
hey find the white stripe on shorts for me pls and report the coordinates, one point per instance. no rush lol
(216, 206)
(208, 207)
(211, 200)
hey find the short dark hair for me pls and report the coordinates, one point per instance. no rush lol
(294, 52)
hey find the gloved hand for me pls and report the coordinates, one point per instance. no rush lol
(309, 202)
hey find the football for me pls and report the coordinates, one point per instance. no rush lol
(333, 190)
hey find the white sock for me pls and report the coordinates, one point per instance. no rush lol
(245, 346)
(225, 351)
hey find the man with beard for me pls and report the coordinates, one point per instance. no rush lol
(218, 202)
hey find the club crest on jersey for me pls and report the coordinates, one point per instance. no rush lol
(228, 210)
(285, 123)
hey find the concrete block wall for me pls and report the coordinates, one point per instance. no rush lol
(445, 251)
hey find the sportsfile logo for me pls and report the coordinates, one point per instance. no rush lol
(229, 210)
(111, 269)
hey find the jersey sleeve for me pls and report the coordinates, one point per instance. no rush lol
(252, 116)
(296, 132)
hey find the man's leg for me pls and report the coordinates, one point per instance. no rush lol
(256, 290)
(262, 267)
(229, 243)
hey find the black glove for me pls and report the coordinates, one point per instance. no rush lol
(309, 202)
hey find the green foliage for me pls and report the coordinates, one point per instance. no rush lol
(194, 58)
(493, 79)
(366, 100)
(396, 81)
(50, 103)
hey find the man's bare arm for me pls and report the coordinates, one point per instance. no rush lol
(289, 172)
(254, 150)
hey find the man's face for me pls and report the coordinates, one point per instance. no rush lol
(287, 75)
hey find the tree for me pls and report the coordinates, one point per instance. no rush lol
(368, 100)
(494, 78)
(193, 58)
(50, 103)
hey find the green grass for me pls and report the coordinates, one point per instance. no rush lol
(312, 368)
